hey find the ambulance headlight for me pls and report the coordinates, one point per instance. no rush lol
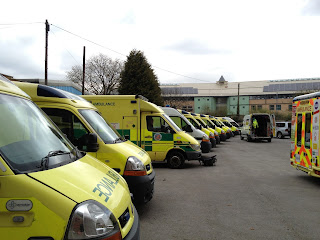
(205, 137)
(211, 135)
(91, 219)
(222, 131)
(134, 167)
(195, 147)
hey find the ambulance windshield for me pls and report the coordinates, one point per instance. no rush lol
(101, 126)
(28, 140)
(211, 124)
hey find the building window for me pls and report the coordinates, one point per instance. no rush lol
(271, 107)
(290, 107)
(253, 107)
(278, 107)
(259, 106)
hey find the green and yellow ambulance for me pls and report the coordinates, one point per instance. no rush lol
(78, 119)
(49, 189)
(197, 125)
(204, 125)
(226, 122)
(221, 125)
(146, 125)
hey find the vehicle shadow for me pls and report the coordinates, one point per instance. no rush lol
(312, 180)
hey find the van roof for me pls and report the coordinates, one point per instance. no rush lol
(41, 93)
(9, 87)
(307, 96)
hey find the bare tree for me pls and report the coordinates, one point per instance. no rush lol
(102, 74)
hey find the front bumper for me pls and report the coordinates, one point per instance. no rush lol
(213, 142)
(223, 137)
(142, 187)
(217, 139)
(229, 135)
(205, 146)
(134, 233)
(194, 155)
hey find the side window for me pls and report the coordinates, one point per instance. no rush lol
(156, 124)
(184, 125)
(299, 129)
(70, 125)
(177, 121)
(307, 130)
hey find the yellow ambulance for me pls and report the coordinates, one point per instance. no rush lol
(197, 125)
(226, 122)
(79, 119)
(305, 144)
(204, 124)
(50, 190)
(218, 123)
(146, 125)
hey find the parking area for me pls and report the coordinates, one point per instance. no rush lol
(251, 193)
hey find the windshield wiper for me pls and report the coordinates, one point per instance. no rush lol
(119, 139)
(44, 164)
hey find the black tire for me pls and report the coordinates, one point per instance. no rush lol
(175, 160)
(248, 138)
(269, 140)
(279, 135)
(241, 137)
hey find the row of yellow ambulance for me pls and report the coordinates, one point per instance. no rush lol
(164, 133)
(50, 189)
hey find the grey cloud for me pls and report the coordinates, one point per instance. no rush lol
(16, 62)
(312, 8)
(193, 47)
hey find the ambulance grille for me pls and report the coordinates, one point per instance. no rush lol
(124, 218)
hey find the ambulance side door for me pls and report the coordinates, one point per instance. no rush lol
(156, 137)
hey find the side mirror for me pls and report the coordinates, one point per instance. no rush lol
(92, 142)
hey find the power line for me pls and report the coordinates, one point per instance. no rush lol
(126, 55)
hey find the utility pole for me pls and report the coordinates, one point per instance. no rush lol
(46, 55)
(238, 106)
(83, 68)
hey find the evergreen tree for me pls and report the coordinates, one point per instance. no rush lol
(138, 77)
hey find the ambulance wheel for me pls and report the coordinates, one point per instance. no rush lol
(248, 138)
(269, 139)
(279, 135)
(175, 160)
(241, 137)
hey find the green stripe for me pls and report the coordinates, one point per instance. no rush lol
(164, 136)
(148, 148)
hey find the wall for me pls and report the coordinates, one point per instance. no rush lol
(203, 104)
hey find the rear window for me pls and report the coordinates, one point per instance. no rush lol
(280, 124)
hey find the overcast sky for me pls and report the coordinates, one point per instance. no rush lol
(184, 41)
